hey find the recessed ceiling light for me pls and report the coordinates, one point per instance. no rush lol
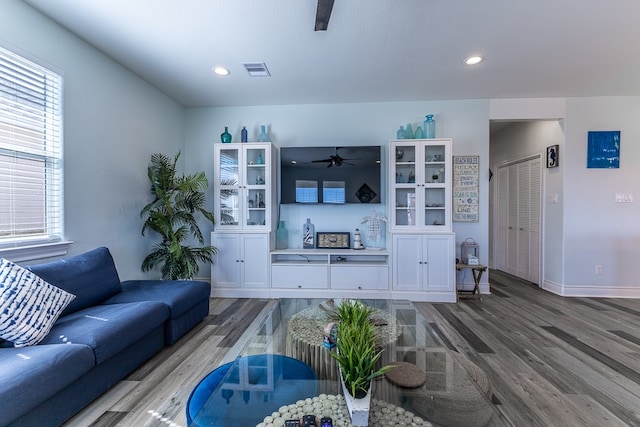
(473, 60)
(221, 71)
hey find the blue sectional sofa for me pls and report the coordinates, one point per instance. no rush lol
(105, 333)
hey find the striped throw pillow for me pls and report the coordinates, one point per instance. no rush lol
(29, 306)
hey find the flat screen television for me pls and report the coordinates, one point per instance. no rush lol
(330, 175)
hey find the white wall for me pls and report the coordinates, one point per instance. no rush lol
(113, 122)
(596, 229)
(345, 124)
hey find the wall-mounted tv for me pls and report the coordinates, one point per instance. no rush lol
(330, 175)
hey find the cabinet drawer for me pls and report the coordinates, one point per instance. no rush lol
(299, 276)
(360, 277)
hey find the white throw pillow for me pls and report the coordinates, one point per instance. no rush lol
(29, 306)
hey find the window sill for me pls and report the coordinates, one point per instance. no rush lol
(35, 251)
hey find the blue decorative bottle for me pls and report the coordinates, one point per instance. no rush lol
(243, 134)
(419, 133)
(429, 127)
(225, 136)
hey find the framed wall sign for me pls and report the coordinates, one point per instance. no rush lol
(466, 178)
(552, 156)
(333, 240)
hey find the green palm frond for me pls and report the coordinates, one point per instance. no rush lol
(172, 215)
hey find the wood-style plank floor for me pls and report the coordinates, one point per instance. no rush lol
(552, 361)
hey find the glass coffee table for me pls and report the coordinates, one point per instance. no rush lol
(280, 367)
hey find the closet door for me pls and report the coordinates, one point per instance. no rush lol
(503, 219)
(522, 219)
(535, 220)
(519, 219)
(512, 234)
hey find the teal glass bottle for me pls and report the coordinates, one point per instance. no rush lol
(429, 127)
(225, 136)
(243, 134)
(408, 130)
(263, 136)
(282, 237)
(419, 134)
(401, 133)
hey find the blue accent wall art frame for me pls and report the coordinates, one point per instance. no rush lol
(603, 151)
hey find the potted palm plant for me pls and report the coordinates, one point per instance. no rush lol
(172, 214)
(357, 356)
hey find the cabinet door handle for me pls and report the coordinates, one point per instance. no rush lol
(359, 287)
(237, 260)
(241, 260)
(299, 286)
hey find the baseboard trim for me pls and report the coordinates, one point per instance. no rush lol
(591, 291)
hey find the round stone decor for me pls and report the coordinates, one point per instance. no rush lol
(381, 414)
(406, 374)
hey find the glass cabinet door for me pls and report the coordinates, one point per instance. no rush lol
(405, 187)
(229, 187)
(434, 185)
(256, 187)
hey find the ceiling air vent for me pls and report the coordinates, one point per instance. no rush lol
(256, 69)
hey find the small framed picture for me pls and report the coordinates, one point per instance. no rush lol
(333, 240)
(552, 156)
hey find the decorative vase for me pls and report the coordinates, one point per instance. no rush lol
(225, 136)
(308, 235)
(409, 131)
(282, 237)
(429, 127)
(358, 408)
(263, 136)
(419, 134)
(243, 134)
(401, 133)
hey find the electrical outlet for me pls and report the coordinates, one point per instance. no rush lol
(624, 198)
(599, 270)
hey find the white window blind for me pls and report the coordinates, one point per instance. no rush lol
(31, 187)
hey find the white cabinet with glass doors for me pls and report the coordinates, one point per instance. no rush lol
(420, 185)
(244, 183)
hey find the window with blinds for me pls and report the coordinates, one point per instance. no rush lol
(31, 188)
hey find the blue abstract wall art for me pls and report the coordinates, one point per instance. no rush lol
(603, 149)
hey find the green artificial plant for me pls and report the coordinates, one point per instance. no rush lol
(357, 352)
(172, 214)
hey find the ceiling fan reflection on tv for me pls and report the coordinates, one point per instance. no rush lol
(335, 160)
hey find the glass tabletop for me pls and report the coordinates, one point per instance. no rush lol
(282, 362)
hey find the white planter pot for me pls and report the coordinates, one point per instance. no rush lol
(358, 408)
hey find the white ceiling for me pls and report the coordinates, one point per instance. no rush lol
(374, 50)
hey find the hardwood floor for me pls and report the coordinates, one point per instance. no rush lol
(552, 361)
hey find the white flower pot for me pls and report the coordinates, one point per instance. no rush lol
(358, 408)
